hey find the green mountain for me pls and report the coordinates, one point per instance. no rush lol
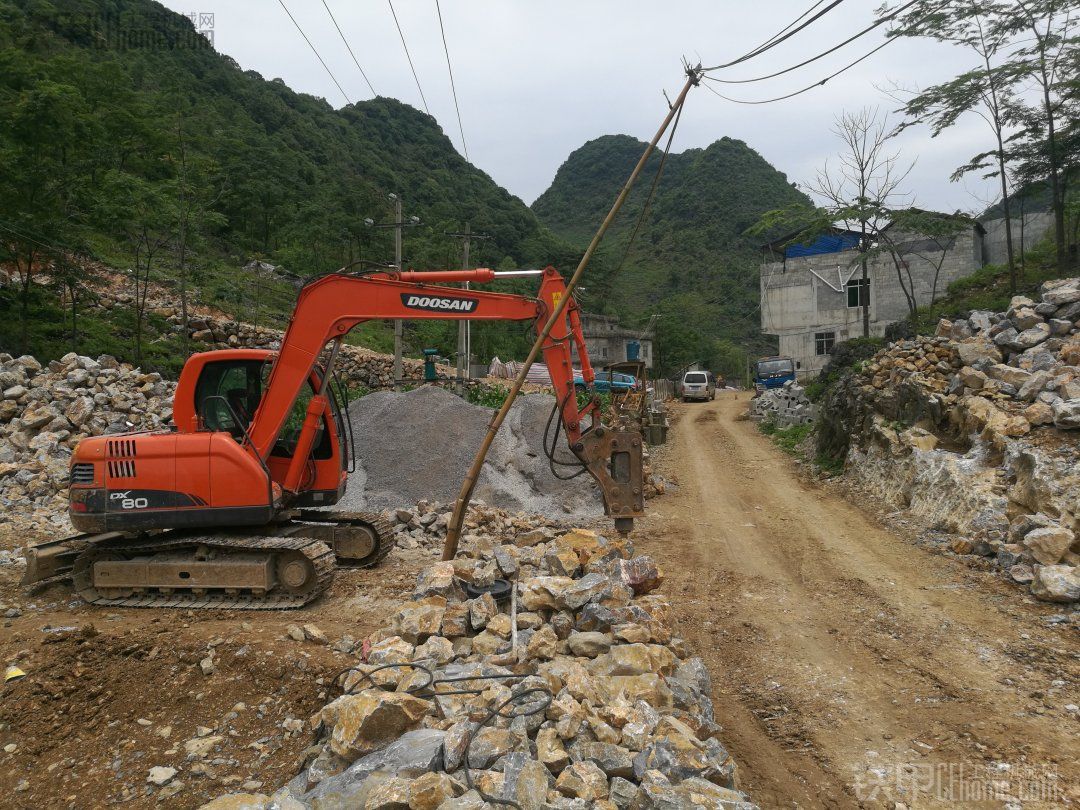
(126, 138)
(692, 262)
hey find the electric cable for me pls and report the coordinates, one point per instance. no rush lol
(453, 87)
(408, 56)
(776, 40)
(806, 89)
(823, 54)
(652, 191)
(315, 51)
(789, 26)
(349, 48)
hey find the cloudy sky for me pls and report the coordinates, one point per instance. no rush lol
(535, 80)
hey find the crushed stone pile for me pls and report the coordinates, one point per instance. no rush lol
(977, 431)
(784, 406)
(418, 445)
(572, 694)
(424, 526)
(46, 409)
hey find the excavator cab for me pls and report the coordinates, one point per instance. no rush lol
(227, 393)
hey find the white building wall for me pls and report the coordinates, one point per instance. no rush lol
(805, 296)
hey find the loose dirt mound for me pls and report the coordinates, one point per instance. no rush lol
(418, 445)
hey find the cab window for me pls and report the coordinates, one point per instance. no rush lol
(228, 394)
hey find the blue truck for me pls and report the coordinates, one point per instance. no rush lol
(773, 372)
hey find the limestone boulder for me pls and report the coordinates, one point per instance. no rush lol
(1056, 583)
(1048, 545)
(370, 720)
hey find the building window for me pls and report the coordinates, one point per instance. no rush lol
(858, 293)
(603, 351)
(823, 342)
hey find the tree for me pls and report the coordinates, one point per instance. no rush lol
(926, 235)
(197, 188)
(145, 215)
(1047, 54)
(74, 277)
(863, 186)
(986, 90)
(42, 131)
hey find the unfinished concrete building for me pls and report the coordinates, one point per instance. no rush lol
(812, 295)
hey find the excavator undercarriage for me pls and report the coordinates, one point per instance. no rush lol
(283, 565)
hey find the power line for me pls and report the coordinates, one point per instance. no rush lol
(314, 51)
(823, 54)
(453, 89)
(349, 47)
(831, 76)
(652, 192)
(789, 26)
(781, 37)
(408, 56)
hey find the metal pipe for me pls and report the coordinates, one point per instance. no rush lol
(453, 532)
(509, 273)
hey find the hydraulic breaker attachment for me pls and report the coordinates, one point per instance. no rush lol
(614, 458)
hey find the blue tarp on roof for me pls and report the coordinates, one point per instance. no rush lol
(826, 243)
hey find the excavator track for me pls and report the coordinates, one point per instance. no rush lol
(324, 539)
(312, 560)
(383, 531)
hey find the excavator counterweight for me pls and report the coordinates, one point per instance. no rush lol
(220, 510)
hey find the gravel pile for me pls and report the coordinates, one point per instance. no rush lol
(418, 445)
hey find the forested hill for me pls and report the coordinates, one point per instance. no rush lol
(120, 128)
(692, 262)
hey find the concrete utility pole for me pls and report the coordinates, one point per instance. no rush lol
(465, 327)
(399, 224)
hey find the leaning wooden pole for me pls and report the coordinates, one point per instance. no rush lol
(453, 533)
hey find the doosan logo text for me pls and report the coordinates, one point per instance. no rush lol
(439, 304)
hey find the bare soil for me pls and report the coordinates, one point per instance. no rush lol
(93, 674)
(850, 667)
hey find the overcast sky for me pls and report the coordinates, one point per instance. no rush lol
(536, 80)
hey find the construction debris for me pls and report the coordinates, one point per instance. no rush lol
(784, 406)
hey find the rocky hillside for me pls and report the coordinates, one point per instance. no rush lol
(693, 261)
(125, 136)
(976, 432)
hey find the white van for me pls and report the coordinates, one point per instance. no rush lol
(698, 385)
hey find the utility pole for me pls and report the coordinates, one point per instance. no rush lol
(399, 224)
(398, 323)
(464, 327)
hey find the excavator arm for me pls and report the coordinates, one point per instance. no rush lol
(328, 308)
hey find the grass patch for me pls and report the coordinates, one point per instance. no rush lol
(787, 439)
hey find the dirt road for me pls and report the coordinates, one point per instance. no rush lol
(850, 667)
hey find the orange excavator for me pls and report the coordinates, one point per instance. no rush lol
(220, 510)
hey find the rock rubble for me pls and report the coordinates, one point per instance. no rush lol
(572, 693)
(46, 409)
(975, 431)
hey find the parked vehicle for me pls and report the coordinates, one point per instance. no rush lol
(773, 372)
(699, 385)
(608, 381)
